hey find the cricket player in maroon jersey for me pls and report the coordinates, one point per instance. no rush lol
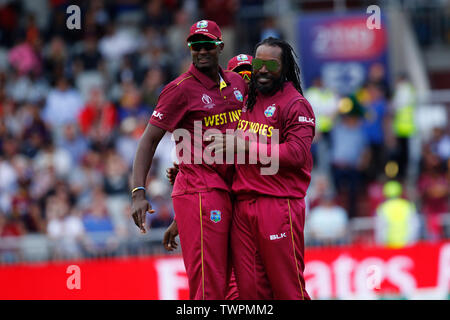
(269, 212)
(205, 94)
(241, 64)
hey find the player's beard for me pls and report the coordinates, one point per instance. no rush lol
(270, 89)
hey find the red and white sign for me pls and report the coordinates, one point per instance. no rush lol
(420, 271)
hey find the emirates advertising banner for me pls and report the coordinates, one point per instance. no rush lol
(421, 271)
(340, 48)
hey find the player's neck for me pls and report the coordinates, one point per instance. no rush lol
(213, 74)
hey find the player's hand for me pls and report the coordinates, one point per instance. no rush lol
(221, 143)
(169, 237)
(171, 173)
(139, 208)
(226, 143)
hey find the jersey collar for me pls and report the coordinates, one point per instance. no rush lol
(206, 81)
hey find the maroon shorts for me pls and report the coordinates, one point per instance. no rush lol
(268, 248)
(204, 221)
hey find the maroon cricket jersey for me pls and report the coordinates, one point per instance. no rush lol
(290, 113)
(194, 97)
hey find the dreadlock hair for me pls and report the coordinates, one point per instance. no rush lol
(290, 70)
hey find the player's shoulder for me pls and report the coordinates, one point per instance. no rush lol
(176, 86)
(182, 80)
(234, 78)
(297, 105)
(294, 98)
(231, 74)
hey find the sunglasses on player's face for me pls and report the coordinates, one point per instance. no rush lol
(245, 74)
(271, 65)
(207, 45)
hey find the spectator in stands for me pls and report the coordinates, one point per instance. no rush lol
(155, 56)
(10, 228)
(349, 154)
(440, 143)
(404, 107)
(44, 180)
(57, 158)
(8, 184)
(397, 222)
(65, 228)
(83, 179)
(152, 87)
(10, 118)
(434, 190)
(115, 175)
(100, 232)
(63, 105)
(375, 126)
(34, 221)
(35, 133)
(90, 58)
(131, 103)
(320, 185)
(325, 104)
(98, 116)
(157, 15)
(73, 142)
(56, 58)
(159, 193)
(377, 76)
(176, 36)
(24, 59)
(9, 147)
(164, 216)
(20, 202)
(116, 43)
(127, 142)
(24, 88)
(327, 223)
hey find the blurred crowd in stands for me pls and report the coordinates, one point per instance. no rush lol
(73, 104)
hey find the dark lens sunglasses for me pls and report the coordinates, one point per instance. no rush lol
(271, 65)
(207, 45)
(245, 74)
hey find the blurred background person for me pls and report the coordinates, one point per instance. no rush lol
(397, 221)
(404, 123)
(325, 103)
(327, 223)
(350, 154)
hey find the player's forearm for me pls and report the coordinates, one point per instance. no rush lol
(141, 165)
(288, 154)
(144, 156)
(293, 154)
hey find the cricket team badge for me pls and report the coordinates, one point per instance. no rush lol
(270, 111)
(238, 95)
(215, 216)
(202, 24)
(242, 57)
